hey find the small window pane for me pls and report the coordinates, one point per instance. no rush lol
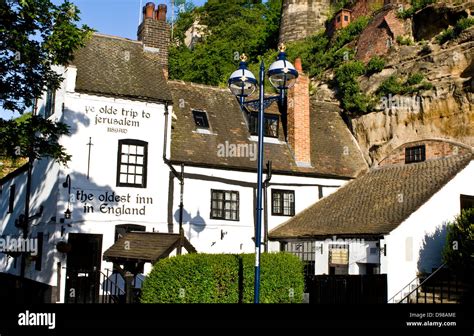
(140, 150)
(138, 179)
(131, 169)
(123, 169)
(124, 158)
(123, 178)
(125, 149)
(133, 149)
(139, 170)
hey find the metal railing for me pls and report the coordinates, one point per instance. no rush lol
(434, 295)
(111, 292)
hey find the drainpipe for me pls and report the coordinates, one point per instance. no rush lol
(179, 176)
(265, 197)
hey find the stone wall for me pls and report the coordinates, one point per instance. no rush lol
(302, 18)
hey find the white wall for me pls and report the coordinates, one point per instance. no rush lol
(406, 243)
(359, 254)
(205, 233)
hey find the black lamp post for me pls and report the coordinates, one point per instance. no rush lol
(242, 83)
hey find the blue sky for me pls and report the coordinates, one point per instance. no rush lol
(113, 17)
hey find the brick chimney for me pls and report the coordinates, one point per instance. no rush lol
(154, 32)
(299, 118)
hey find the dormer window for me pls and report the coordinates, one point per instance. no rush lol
(415, 154)
(200, 119)
(270, 125)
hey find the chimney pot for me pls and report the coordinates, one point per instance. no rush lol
(161, 12)
(148, 10)
(298, 65)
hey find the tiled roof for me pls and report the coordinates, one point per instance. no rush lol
(329, 135)
(145, 246)
(375, 203)
(114, 66)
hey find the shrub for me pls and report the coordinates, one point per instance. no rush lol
(415, 6)
(389, 86)
(394, 86)
(445, 35)
(281, 275)
(451, 33)
(223, 278)
(404, 40)
(459, 248)
(376, 64)
(415, 78)
(353, 100)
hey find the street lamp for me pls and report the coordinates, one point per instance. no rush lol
(242, 83)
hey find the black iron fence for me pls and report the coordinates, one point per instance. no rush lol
(347, 289)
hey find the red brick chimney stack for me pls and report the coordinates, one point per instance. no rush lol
(299, 118)
(155, 33)
(161, 12)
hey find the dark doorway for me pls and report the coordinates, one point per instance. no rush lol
(83, 268)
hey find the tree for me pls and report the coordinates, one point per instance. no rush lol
(233, 27)
(32, 137)
(459, 249)
(35, 35)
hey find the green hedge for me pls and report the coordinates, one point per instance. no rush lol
(224, 278)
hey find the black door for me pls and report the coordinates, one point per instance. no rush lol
(83, 268)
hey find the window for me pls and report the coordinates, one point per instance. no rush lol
(338, 259)
(339, 18)
(39, 252)
(415, 154)
(467, 202)
(49, 106)
(225, 205)
(305, 250)
(270, 125)
(11, 200)
(346, 18)
(200, 118)
(283, 202)
(132, 163)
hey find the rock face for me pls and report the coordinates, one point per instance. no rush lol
(445, 112)
(431, 20)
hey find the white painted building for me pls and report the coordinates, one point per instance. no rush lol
(131, 134)
(391, 220)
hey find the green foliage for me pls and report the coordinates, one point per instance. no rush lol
(32, 137)
(404, 40)
(34, 36)
(415, 78)
(394, 86)
(354, 101)
(390, 86)
(234, 27)
(416, 5)
(458, 251)
(350, 32)
(451, 33)
(217, 278)
(376, 64)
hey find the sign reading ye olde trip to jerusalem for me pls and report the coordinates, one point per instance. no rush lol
(116, 117)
